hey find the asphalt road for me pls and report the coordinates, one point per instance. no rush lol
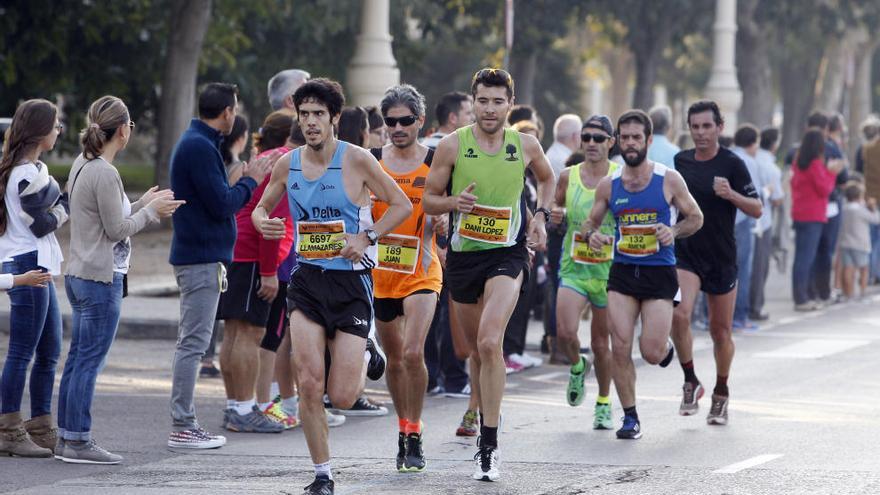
(804, 416)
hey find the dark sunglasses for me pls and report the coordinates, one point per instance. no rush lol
(597, 138)
(131, 124)
(404, 121)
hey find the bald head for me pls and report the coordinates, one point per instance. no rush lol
(283, 85)
(567, 130)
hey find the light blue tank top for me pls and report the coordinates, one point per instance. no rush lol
(323, 213)
(635, 215)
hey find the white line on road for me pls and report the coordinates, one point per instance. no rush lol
(548, 376)
(812, 349)
(748, 463)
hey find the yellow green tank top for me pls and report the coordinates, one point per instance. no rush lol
(578, 259)
(497, 219)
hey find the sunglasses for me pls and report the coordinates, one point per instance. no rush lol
(597, 138)
(59, 127)
(131, 124)
(404, 121)
(490, 72)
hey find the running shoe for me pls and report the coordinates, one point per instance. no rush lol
(209, 371)
(415, 457)
(807, 306)
(195, 438)
(602, 417)
(252, 422)
(462, 393)
(718, 411)
(469, 424)
(275, 413)
(525, 361)
(745, 326)
(401, 451)
(333, 420)
(631, 429)
(88, 453)
(321, 486)
(376, 363)
(575, 393)
(435, 391)
(363, 407)
(512, 366)
(487, 463)
(690, 397)
(225, 418)
(669, 354)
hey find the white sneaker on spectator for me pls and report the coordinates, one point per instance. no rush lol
(521, 360)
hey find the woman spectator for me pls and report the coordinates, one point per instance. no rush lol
(354, 126)
(33, 208)
(811, 185)
(101, 221)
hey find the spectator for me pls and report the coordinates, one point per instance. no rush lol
(201, 247)
(283, 85)
(811, 185)
(773, 196)
(855, 238)
(354, 126)
(453, 111)
(101, 221)
(870, 129)
(745, 142)
(518, 113)
(32, 209)
(661, 149)
(378, 131)
(870, 155)
(566, 140)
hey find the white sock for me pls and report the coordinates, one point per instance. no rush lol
(274, 391)
(290, 403)
(323, 470)
(230, 403)
(265, 405)
(245, 407)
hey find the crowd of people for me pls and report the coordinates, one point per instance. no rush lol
(356, 244)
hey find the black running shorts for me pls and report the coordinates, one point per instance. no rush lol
(240, 301)
(335, 299)
(278, 320)
(468, 272)
(716, 278)
(644, 282)
(390, 308)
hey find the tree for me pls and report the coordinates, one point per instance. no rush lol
(753, 67)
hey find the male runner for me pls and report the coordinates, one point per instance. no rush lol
(408, 276)
(721, 184)
(642, 279)
(583, 275)
(329, 183)
(483, 166)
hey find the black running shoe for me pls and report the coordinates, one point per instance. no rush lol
(401, 451)
(631, 429)
(415, 457)
(321, 486)
(376, 366)
(669, 355)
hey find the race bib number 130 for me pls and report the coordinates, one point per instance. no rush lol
(486, 224)
(320, 240)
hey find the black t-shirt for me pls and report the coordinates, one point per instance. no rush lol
(714, 243)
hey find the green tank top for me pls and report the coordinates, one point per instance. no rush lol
(497, 218)
(578, 260)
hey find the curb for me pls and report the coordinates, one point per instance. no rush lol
(129, 328)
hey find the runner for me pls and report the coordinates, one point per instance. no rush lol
(642, 280)
(408, 277)
(584, 273)
(483, 167)
(329, 183)
(721, 185)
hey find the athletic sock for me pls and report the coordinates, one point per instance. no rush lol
(489, 436)
(690, 375)
(721, 386)
(603, 400)
(230, 403)
(265, 405)
(578, 367)
(413, 427)
(290, 402)
(323, 471)
(631, 412)
(245, 407)
(274, 390)
(402, 423)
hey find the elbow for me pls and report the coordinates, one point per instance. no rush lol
(758, 212)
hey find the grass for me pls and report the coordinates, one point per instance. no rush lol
(134, 177)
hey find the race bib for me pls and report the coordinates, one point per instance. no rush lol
(320, 240)
(398, 253)
(582, 253)
(486, 224)
(638, 240)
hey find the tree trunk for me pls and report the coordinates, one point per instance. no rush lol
(860, 99)
(753, 67)
(832, 74)
(524, 68)
(647, 63)
(619, 61)
(187, 25)
(798, 79)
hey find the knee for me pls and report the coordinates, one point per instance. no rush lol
(599, 346)
(414, 357)
(488, 346)
(311, 390)
(653, 352)
(342, 398)
(722, 334)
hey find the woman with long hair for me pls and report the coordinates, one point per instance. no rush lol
(812, 181)
(354, 126)
(101, 221)
(32, 209)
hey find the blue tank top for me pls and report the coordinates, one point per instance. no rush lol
(323, 213)
(635, 214)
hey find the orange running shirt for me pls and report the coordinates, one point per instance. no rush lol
(407, 260)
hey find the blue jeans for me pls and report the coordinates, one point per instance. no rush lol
(875, 253)
(744, 241)
(35, 329)
(820, 283)
(806, 244)
(95, 318)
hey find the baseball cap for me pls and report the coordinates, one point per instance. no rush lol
(599, 121)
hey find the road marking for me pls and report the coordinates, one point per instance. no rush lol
(812, 349)
(748, 463)
(546, 377)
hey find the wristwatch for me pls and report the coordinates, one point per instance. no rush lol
(372, 236)
(546, 213)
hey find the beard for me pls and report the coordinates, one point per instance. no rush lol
(639, 158)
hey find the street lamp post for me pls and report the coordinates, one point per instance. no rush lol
(373, 68)
(723, 86)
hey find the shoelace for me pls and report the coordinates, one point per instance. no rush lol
(485, 458)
